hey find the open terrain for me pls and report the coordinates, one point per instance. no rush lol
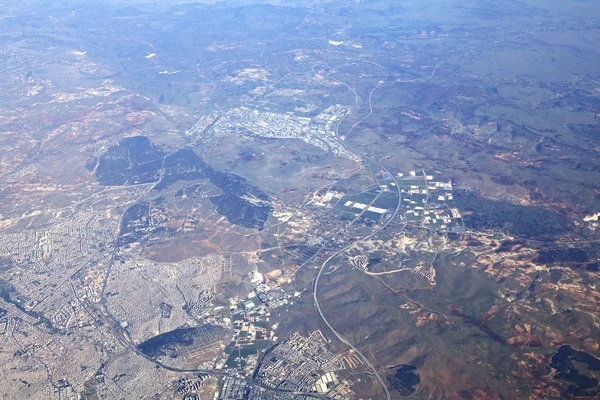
(260, 199)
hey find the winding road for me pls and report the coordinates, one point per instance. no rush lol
(365, 158)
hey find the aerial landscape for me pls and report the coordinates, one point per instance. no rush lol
(294, 199)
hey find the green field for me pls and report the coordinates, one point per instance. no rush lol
(387, 200)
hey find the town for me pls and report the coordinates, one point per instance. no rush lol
(319, 131)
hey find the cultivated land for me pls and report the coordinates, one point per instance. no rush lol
(296, 200)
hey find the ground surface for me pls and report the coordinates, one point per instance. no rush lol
(292, 200)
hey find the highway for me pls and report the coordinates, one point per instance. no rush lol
(124, 338)
(102, 312)
(343, 250)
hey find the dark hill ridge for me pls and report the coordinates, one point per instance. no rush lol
(526, 221)
(171, 344)
(580, 384)
(405, 380)
(135, 160)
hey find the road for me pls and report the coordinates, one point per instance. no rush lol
(365, 158)
(124, 338)
(102, 312)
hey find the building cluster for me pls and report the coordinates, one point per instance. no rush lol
(319, 131)
(43, 260)
(189, 386)
(350, 204)
(299, 363)
(202, 304)
(361, 261)
(361, 207)
(326, 382)
(267, 290)
(252, 334)
(235, 389)
(202, 127)
(249, 319)
(428, 274)
(63, 243)
(329, 198)
(428, 201)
